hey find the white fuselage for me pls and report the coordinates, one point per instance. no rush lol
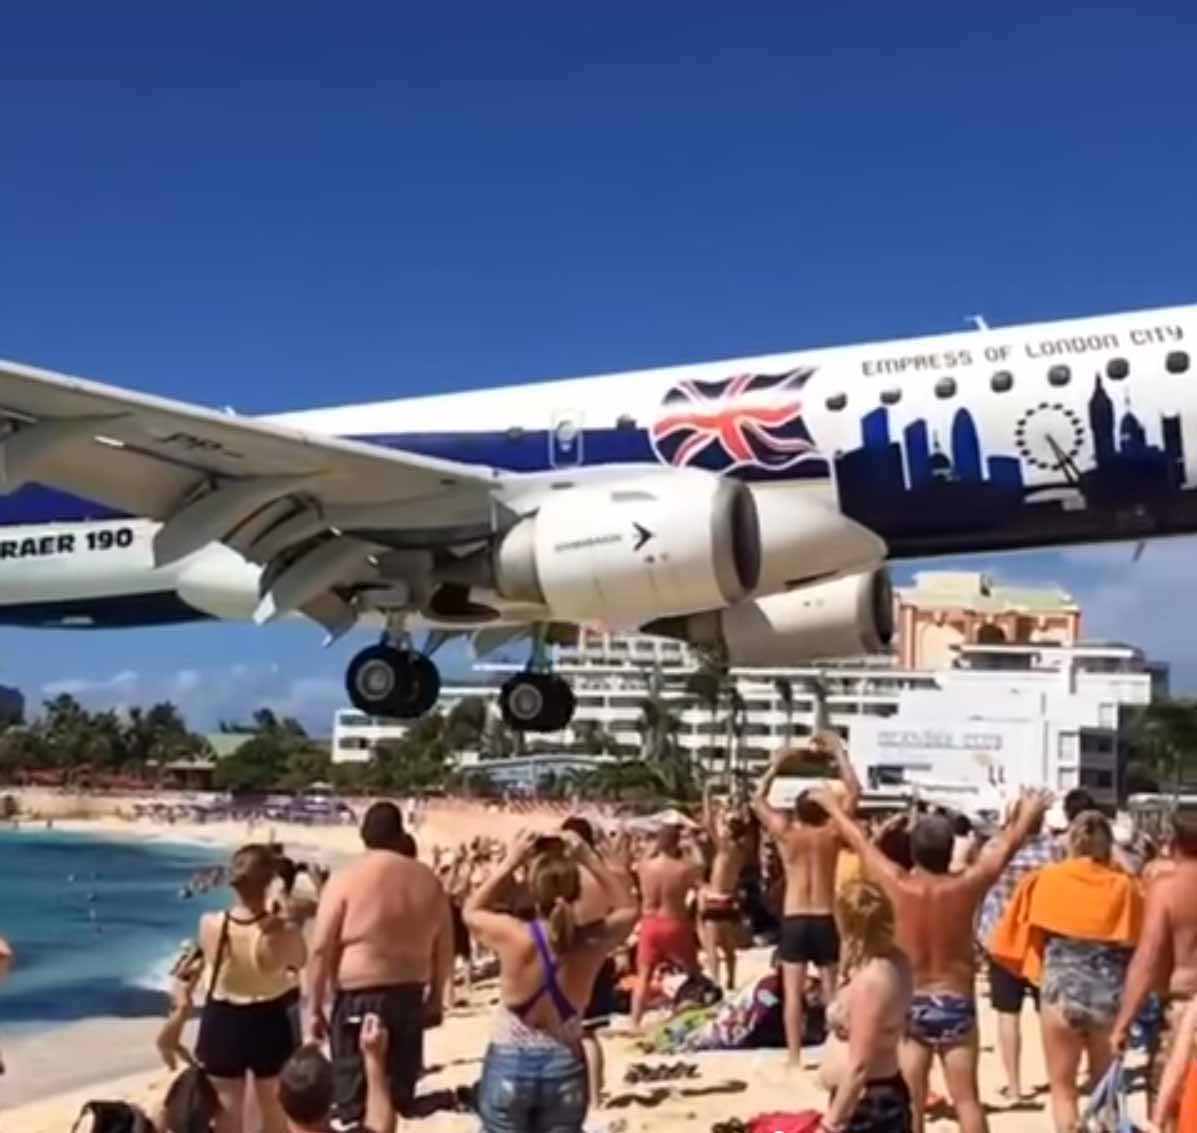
(1011, 437)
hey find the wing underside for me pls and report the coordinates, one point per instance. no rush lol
(323, 515)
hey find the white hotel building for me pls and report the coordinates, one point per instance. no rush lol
(988, 718)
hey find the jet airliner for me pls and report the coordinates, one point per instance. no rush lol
(748, 506)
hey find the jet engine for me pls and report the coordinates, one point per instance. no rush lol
(844, 617)
(629, 550)
(674, 543)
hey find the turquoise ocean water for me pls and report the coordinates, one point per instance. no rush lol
(94, 924)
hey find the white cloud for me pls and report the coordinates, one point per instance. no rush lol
(210, 695)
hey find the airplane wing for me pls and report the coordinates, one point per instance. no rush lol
(283, 497)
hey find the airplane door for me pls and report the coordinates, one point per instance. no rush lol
(566, 439)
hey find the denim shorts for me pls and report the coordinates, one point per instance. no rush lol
(539, 1089)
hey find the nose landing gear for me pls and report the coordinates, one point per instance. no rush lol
(383, 680)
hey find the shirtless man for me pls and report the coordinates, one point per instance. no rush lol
(934, 912)
(719, 912)
(809, 847)
(667, 879)
(1165, 958)
(384, 942)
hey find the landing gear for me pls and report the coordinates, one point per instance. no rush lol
(536, 702)
(385, 681)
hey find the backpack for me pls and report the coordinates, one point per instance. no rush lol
(112, 1117)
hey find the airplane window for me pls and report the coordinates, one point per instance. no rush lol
(945, 387)
(891, 396)
(837, 401)
(1002, 381)
(1059, 376)
(1117, 368)
(1177, 362)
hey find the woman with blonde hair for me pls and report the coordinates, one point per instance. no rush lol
(1070, 929)
(534, 1074)
(250, 956)
(867, 1019)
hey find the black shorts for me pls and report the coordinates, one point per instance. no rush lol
(461, 934)
(238, 1037)
(720, 914)
(401, 1009)
(1006, 990)
(809, 939)
(603, 1000)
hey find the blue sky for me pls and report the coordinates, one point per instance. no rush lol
(273, 206)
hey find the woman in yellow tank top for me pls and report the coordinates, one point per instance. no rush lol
(249, 986)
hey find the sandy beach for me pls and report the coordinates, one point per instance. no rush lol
(731, 1084)
(52, 1073)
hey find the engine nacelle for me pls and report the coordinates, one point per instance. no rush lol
(845, 617)
(805, 538)
(626, 551)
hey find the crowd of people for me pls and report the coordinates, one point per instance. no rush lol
(317, 1005)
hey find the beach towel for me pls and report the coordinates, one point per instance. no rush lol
(679, 1033)
(1077, 898)
(805, 1122)
(1106, 1110)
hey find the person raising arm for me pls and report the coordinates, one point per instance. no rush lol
(809, 848)
(534, 1075)
(932, 909)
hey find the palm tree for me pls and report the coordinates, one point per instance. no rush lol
(659, 749)
(785, 693)
(706, 686)
(466, 724)
(1163, 736)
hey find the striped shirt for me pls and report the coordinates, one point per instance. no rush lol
(1041, 850)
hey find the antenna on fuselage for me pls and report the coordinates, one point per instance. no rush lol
(978, 321)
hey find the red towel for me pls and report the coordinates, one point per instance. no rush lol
(805, 1122)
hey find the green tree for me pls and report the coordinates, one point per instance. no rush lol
(667, 761)
(306, 765)
(278, 753)
(417, 762)
(1161, 738)
(465, 725)
(257, 765)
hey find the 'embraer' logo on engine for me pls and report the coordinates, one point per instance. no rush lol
(643, 535)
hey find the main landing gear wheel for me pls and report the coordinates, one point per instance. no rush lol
(536, 702)
(384, 681)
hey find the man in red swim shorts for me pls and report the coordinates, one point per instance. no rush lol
(666, 929)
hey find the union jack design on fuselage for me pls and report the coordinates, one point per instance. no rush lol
(747, 421)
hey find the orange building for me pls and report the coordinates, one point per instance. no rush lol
(944, 609)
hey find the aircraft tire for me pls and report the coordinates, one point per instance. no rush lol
(536, 702)
(383, 681)
(563, 703)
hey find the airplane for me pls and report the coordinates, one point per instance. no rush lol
(748, 507)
